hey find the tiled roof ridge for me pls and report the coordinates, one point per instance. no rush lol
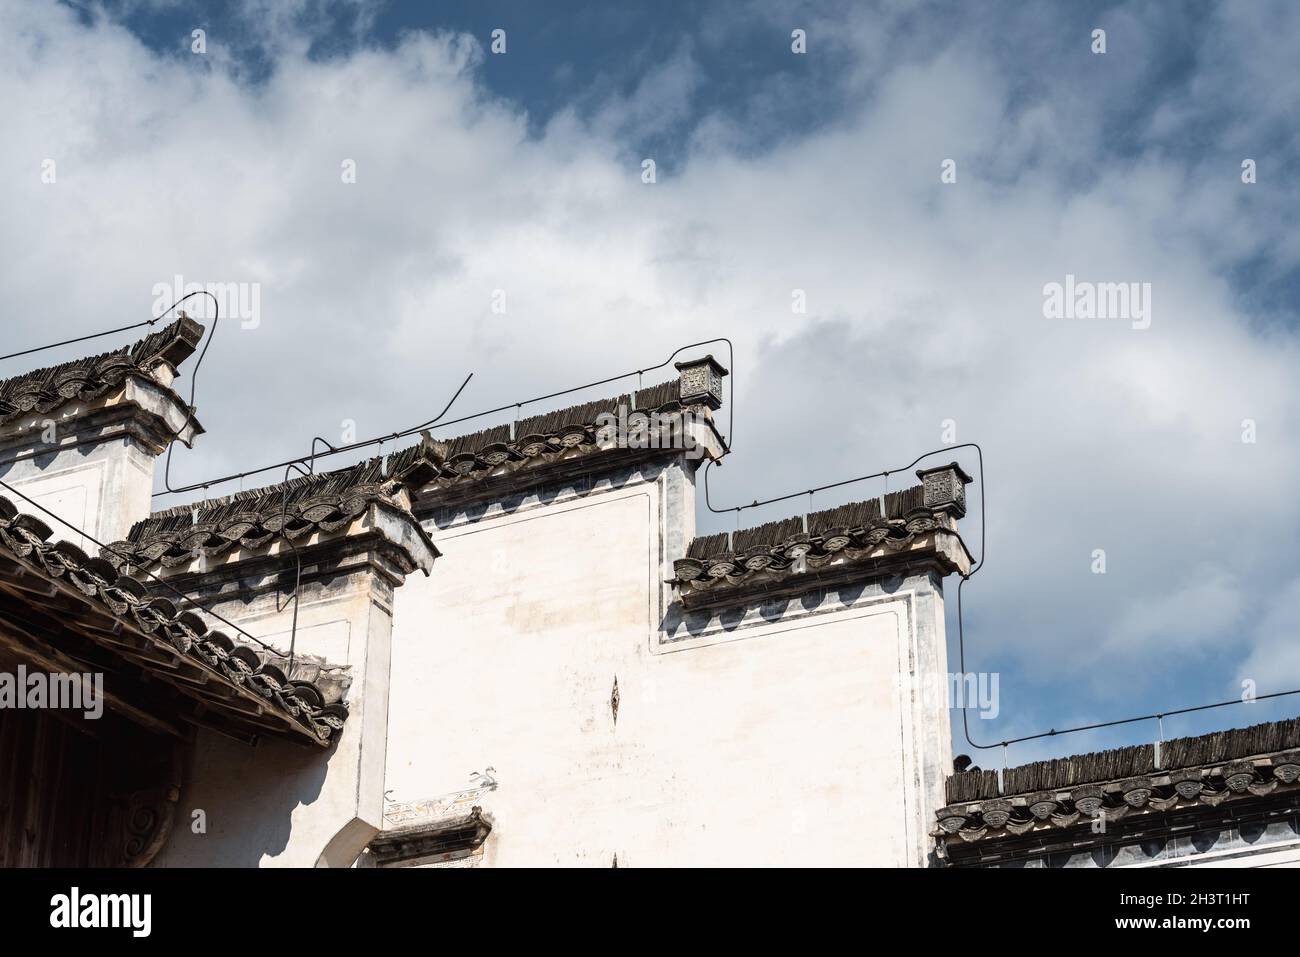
(326, 501)
(298, 488)
(129, 600)
(1205, 770)
(839, 544)
(651, 398)
(330, 499)
(788, 531)
(492, 459)
(1114, 764)
(91, 377)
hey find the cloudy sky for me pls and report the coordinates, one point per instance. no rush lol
(522, 172)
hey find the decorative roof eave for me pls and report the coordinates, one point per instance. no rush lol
(148, 631)
(491, 464)
(1236, 777)
(836, 546)
(371, 497)
(394, 541)
(669, 419)
(827, 561)
(142, 410)
(1074, 811)
(95, 381)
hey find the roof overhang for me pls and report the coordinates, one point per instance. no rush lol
(64, 612)
(1137, 791)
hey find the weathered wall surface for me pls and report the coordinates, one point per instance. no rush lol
(278, 803)
(100, 489)
(92, 464)
(783, 738)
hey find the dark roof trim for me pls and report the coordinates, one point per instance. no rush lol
(1208, 769)
(254, 519)
(421, 842)
(840, 545)
(833, 547)
(226, 677)
(1111, 765)
(563, 444)
(554, 424)
(434, 473)
(44, 390)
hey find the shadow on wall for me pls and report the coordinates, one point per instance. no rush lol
(247, 796)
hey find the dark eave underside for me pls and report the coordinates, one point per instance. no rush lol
(61, 609)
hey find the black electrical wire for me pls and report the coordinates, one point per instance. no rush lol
(194, 374)
(188, 419)
(297, 557)
(728, 440)
(1155, 716)
(947, 449)
(961, 632)
(437, 421)
(95, 335)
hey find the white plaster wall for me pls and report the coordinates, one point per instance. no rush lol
(101, 490)
(280, 803)
(779, 744)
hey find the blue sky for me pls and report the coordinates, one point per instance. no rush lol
(821, 172)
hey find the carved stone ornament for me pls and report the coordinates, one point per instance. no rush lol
(945, 488)
(1043, 806)
(701, 382)
(1239, 777)
(1286, 773)
(1137, 793)
(951, 819)
(1087, 799)
(996, 813)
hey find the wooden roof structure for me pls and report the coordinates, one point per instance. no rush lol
(62, 611)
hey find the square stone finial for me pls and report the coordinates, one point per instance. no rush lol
(944, 488)
(701, 381)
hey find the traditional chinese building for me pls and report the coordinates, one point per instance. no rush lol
(511, 648)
